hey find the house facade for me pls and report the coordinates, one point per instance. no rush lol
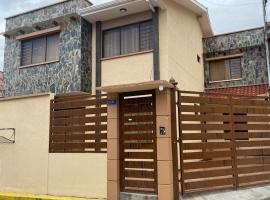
(235, 63)
(74, 46)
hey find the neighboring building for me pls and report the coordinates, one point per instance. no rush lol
(1, 83)
(235, 63)
(73, 46)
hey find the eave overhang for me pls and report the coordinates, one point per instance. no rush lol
(111, 10)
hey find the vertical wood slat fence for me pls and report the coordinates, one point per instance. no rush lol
(78, 123)
(224, 141)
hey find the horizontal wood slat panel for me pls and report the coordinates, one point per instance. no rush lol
(139, 184)
(63, 138)
(79, 120)
(79, 145)
(224, 140)
(207, 155)
(139, 165)
(209, 183)
(207, 164)
(82, 128)
(79, 103)
(256, 169)
(205, 109)
(254, 178)
(79, 112)
(254, 161)
(139, 174)
(209, 145)
(208, 173)
(73, 116)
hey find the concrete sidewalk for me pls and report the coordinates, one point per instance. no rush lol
(17, 196)
(250, 193)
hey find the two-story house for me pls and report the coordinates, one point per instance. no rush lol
(74, 46)
(235, 63)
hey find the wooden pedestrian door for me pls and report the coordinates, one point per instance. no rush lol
(138, 157)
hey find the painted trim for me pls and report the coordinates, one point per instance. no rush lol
(224, 57)
(98, 53)
(127, 55)
(156, 59)
(39, 33)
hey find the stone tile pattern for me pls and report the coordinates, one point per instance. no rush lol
(250, 42)
(71, 73)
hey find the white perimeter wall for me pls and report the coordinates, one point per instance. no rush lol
(27, 167)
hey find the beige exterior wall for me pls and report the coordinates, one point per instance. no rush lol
(180, 43)
(125, 69)
(27, 167)
(79, 175)
(130, 69)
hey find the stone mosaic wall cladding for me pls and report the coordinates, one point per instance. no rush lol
(71, 73)
(250, 43)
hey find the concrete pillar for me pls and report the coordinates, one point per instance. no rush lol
(113, 173)
(164, 146)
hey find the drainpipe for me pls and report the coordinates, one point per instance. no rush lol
(264, 2)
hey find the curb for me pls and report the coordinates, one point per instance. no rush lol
(16, 196)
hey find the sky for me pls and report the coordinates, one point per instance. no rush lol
(225, 15)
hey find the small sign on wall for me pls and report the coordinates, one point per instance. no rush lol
(111, 102)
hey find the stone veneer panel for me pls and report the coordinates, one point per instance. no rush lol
(250, 42)
(71, 73)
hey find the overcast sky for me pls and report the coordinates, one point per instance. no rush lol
(225, 15)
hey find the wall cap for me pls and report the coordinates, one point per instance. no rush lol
(26, 96)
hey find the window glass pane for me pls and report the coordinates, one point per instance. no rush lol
(39, 49)
(146, 34)
(217, 70)
(52, 51)
(130, 39)
(235, 66)
(26, 53)
(111, 46)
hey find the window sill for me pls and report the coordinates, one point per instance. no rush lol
(37, 64)
(237, 79)
(127, 55)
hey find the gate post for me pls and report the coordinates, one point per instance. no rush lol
(167, 190)
(113, 174)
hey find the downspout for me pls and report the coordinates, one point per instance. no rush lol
(151, 5)
(266, 42)
(155, 19)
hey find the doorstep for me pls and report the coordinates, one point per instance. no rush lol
(17, 196)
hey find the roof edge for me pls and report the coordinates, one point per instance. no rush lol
(42, 7)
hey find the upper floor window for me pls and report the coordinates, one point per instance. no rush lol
(225, 69)
(40, 50)
(128, 39)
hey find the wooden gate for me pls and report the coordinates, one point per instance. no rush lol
(138, 165)
(224, 141)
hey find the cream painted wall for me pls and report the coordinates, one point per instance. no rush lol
(80, 175)
(24, 165)
(130, 69)
(180, 43)
(27, 167)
